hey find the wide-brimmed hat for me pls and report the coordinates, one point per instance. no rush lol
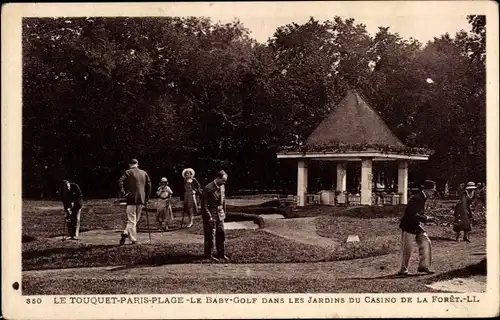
(187, 170)
(163, 180)
(470, 186)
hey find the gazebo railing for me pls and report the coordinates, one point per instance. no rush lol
(352, 199)
(312, 198)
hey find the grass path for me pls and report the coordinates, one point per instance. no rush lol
(297, 247)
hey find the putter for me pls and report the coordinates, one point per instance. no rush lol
(65, 228)
(147, 221)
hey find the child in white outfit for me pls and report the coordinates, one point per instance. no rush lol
(165, 215)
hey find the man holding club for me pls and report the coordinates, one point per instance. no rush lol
(214, 212)
(412, 228)
(135, 184)
(72, 198)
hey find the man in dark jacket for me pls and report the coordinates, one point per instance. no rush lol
(135, 184)
(213, 207)
(72, 198)
(412, 225)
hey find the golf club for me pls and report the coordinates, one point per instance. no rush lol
(65, 226)
(147, 221)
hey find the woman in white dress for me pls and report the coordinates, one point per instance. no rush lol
(192, 188)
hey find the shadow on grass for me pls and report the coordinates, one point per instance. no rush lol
(471, 270)
(27, 238)
(391, 276)
(436, 238)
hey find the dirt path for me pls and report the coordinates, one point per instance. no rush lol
(302, 230)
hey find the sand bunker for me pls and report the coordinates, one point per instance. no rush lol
(272, 216)
(240, 225)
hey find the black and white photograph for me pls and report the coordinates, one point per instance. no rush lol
(252, 155)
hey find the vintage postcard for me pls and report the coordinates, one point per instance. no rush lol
(239, 160)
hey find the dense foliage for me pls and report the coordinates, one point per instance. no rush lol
(177, 92)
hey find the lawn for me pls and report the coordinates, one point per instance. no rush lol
(377, 236)
(243, 246)
(68, 286)
(41, 220)
(376, 227)
(44, 219)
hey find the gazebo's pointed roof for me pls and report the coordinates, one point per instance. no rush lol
(352, 122)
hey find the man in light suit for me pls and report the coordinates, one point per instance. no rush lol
(135, 184)
(213, 206)
(412, 226)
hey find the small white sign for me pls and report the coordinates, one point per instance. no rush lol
(352, 238)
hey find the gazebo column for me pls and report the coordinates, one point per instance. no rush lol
(342, 176)
(306, 176)
(301, 182)
(403, 181)
(366, 181)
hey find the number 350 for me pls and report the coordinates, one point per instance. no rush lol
(33, 301)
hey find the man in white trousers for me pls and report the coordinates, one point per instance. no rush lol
(136, 185)
(412, 229)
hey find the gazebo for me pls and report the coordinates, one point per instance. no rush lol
(353, 132)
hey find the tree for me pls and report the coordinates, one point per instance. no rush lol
(177, 92)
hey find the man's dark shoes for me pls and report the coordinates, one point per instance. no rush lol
(425, 270)
(403, 273)
(223, 258)
(212, 259)
(122, 240)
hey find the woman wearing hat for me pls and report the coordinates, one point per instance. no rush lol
(192, 188)
(163, 206)
(463, 212)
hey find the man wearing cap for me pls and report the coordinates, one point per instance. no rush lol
(163, 206)
(135, 184)
(72, 199)
(213, 212)
(412, 228)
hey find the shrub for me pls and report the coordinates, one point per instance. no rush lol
(362, 212)
(242, 216)
(372, 212)
(256, 209)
